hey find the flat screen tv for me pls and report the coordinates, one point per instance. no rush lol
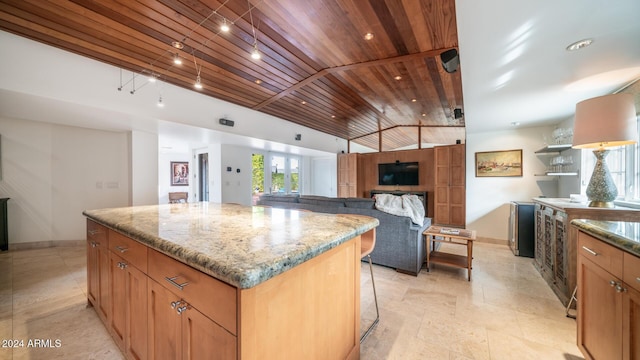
(398, 173)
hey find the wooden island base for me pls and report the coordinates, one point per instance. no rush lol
(162, 308)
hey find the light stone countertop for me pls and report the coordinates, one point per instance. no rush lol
(622, 234)
(240, 245)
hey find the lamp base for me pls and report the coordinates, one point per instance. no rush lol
(601, 204)
(601, 191)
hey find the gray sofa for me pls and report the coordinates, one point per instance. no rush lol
(399, 242)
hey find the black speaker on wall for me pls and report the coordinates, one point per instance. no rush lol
(457, 113)
(450, 60)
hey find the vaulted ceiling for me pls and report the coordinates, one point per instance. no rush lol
(316, 67)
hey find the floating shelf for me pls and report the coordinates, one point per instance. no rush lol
(558, 174)
(554, 149)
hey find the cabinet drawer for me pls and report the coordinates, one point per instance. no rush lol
(601, 253)
(130, 250)
(212, 297)
(97, 234)
(631, 272)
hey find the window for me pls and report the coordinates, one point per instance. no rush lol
(276, 173)
(624, 165)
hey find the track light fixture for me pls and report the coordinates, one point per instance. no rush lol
(224, 27)
(152, 78)
(160, 103)
(198, 84)
(255, 54)
(177, 60)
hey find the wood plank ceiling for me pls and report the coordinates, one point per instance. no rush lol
(316, 68)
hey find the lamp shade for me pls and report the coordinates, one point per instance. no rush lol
(605, 121)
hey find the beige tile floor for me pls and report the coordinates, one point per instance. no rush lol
(505, 312)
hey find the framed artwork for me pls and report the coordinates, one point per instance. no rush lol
(179, 173)
(499, 163)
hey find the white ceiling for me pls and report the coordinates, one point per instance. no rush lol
(513, 60)
(515, 67)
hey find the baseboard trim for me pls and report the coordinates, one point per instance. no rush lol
(492, 241)
(44, 244)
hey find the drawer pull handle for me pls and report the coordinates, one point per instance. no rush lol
(122, 265)
(590, 251)
(172, 281)
(93, 232)
(613, 283)
(94, 244)
(122, 249)
(620, 289)
(638, 279)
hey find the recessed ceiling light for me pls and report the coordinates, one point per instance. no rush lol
(258, 81)
(303, 102)
(177, 44)
(423, 114)
(368, 36)
(398, 77)
(579, 44)
(413, 100)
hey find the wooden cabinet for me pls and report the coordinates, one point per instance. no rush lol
(98, 269)
(162, 308)
(608, 307)
(449, 190)
(128, 289)
(631, 308)
(348, 175)
(550, 256)
(556, 242)
(177, 328)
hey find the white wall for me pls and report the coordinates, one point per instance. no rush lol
(488, 197)
(52, 173)
(144, 168)
(324, 175)
(236, 186)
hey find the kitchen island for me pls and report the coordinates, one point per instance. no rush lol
(227, 281)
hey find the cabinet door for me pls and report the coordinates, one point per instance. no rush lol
(118, 277)
(163, 328)
(203, 339)
(547, 258)
(136, 314)
(450, 189)
(539, 237)
(560, 259)
(631, 324)
(599, 312)
(93, 272)
(348, 175)
(441, 191)
(104, 304)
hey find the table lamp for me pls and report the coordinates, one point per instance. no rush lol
(604, 122)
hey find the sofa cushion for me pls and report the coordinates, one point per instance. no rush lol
(321, 200)
(360, 203)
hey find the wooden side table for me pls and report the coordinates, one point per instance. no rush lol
(451, 236)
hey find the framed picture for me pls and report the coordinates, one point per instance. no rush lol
(179, 173)
(499, 163)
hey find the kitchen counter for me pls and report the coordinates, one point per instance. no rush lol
(240, 245)
(621, 234)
